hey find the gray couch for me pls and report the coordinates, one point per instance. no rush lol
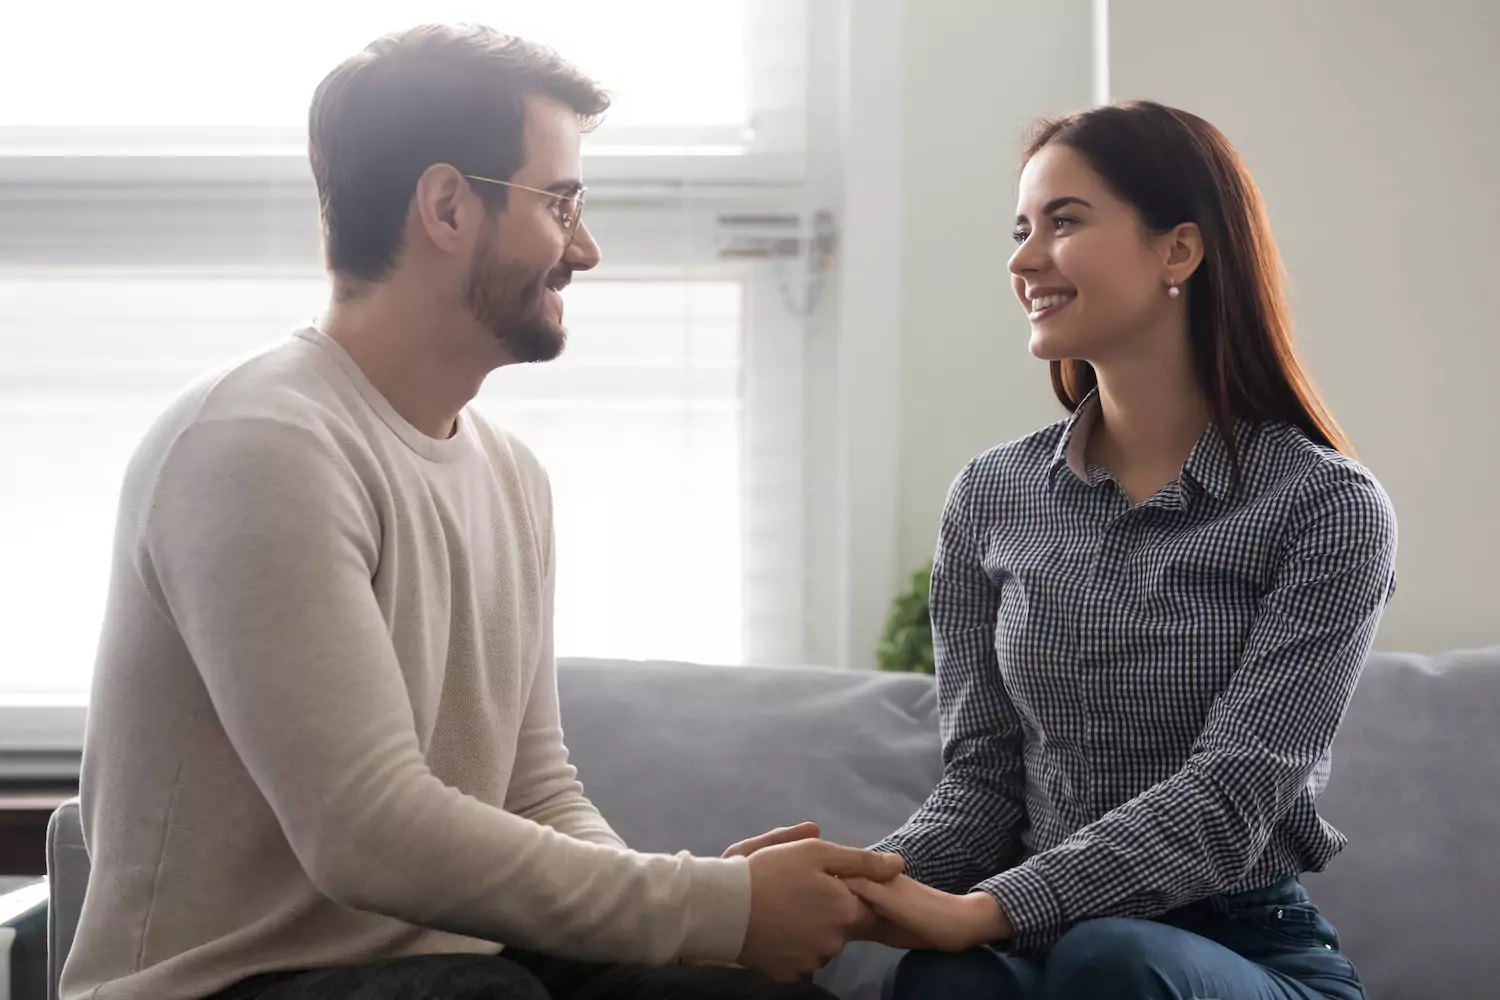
(691, 757)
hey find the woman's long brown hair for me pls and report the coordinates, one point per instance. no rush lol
(1174, 167)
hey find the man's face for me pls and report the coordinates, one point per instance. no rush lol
(527, 255)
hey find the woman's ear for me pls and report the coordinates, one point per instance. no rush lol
(1182, 251)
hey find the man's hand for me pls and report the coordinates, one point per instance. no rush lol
(745, 848)
(801, 911)
(941, 920)
(780, 835)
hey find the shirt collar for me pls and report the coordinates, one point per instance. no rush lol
(1069, 453)
(1208, 466)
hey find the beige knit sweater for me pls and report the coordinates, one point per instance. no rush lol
(324, 727)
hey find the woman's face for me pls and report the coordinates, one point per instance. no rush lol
(1091, 277)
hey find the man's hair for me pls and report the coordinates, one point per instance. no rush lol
(435, 93)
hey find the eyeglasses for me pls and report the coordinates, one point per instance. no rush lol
(568, 208)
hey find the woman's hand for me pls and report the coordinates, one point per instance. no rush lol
(933, 918)
(882, 931)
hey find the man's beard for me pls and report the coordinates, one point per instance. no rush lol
(506, 299)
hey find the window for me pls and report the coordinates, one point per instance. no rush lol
(639, 427)
(150, 231)
(690, 79)
(130, 66)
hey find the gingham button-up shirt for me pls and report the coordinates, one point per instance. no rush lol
(1138, 701)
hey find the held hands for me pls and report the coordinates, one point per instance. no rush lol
(802, 911)
(902, 912)
(809, 898)
(745, 848)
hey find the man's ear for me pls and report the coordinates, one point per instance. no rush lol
(446, 208)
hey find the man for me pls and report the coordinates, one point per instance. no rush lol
(324, 756)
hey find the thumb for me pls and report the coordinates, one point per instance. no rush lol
(781, 835)
(852, 862)
(876, 895)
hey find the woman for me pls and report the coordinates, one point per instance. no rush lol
(1149, 617)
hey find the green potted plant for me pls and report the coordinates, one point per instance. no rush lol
(906, 643)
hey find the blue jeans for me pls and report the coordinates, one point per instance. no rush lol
(1267, 944)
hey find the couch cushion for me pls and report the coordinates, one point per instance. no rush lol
(1416, 788)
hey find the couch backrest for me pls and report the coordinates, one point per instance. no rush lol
(694, 758)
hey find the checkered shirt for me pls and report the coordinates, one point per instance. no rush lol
(1138, 701)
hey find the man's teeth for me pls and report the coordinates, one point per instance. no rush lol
(1048, 301)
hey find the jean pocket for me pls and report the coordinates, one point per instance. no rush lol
(1298, 924)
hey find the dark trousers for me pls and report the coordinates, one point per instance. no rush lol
(516, 976)
(1268, 944)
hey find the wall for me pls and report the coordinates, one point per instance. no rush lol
(853, 340)
(977, 75)
(1374, 139)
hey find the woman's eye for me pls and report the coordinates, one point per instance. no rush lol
(1019, 235)
(1062, 220)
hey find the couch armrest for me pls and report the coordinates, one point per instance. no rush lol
(67, 878)
(23, 940)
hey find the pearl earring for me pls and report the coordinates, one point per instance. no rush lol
(1173, 291)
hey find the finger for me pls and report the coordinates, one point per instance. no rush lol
(853, 910)
(867, 889)
(780, 835)
(878, 896)
(852, 862)
(867, 919)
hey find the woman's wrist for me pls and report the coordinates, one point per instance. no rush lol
(986, 918)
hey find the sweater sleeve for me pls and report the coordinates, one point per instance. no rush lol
(260, 546)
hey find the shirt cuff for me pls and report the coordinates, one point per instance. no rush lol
(910, 868)
(718, 908)
(1030, 904)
